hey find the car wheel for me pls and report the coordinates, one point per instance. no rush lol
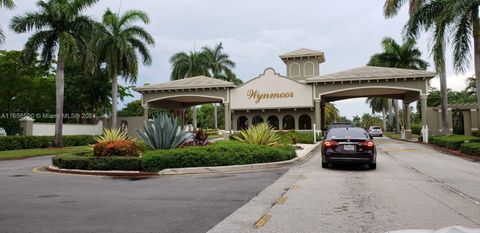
(372, 166)
(324, 165)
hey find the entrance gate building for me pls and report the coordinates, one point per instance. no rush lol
(292, 102)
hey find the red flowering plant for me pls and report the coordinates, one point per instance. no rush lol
(126, 148)
(200, 138)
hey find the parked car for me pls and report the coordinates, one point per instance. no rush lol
(351, 145)
(2, 132)
(375, 131)
(339, 125)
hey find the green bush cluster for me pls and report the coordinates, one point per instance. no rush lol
(97, 163)
(471, 148)
(296, 137)
(452, 141)
(476, 133)
(33, 142)
(416, 129)
(221, 153)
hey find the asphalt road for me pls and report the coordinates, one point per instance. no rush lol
(413, 187)
(37, 202)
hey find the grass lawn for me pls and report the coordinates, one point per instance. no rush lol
(28, 153)
(397, 135)
(213, 136)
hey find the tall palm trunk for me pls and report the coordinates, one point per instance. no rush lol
(397, 116)
(476, 51)
(59, 90)
(444, 100)
(114, 96)
(384, 113)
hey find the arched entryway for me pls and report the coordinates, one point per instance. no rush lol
(288, 122)
(257, 120)
(304, 122)
(273, 122)
(242, 123)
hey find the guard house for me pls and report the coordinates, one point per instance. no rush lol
(294, 101)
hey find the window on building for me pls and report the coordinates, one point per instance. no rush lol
(242, 123)
(273, 122)
(304, 122)
(257, 120)
(288, 122)
(308, 69)
(294, 70)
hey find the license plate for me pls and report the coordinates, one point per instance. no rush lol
(348, 147)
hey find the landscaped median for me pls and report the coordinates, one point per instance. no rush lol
(465, 144)
(222, 153)
(170, 151)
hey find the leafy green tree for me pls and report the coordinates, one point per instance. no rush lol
(206, 116)
(379, 104)
(220, 64)
(189, 65)
(394, 55)
(118, 43)
(59, 27)
(331, 113)
(27, 87)
(9, 5)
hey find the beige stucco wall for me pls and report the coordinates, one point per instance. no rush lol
(133, 124)
(150, 98)
(301, 64)
(295, 95)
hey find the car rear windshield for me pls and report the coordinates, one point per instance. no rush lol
(340, 125)
(375, 127)
(347, 133)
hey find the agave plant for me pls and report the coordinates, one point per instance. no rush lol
(261, 134)
(163, 132)
(110, 135)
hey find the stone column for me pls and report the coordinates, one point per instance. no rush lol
(423, 103)
(318, 116)
(406, 120)
(228, 119)
(194, 118)
(474, 118)
(26, 124)
(145, 113)
(215, 118)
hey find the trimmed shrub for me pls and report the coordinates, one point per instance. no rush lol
(476, 133)
(452, 141)
(33, 142)
(261, 134)
(126, 148)
(221, 153)
(97, 163)
(416, 129)
(294, 137)
(471, 148)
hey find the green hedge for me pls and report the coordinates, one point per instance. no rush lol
(416, 129)
(452, 141)
(476, 133)
(97, 163)
(286, 137)
(221, 153)
(471, 148)
(33, 142)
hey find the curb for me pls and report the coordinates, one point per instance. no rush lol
(471, 158)
(56, 169)
(238, 168)
(191, 170)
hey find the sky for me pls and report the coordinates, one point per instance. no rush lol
(255, 32)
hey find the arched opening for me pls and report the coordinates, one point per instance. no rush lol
(242, 123)
(304, 122)
(257, 120)
(273, 122)
(294, 70)
(458, 123)
(288, 122)
(308, 69)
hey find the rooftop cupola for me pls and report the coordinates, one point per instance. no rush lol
(303, 63)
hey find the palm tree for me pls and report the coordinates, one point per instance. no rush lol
(219, 62)
(405, 56)
(58, 27)
(189, 65)
(331, 113)
(9, 5)
(379, 104)
(463, 19)
(118, 43)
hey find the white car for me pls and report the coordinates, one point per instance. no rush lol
(2, 132)
(375, 131)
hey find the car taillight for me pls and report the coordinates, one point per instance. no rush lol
(330, 143)
(368, 144)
